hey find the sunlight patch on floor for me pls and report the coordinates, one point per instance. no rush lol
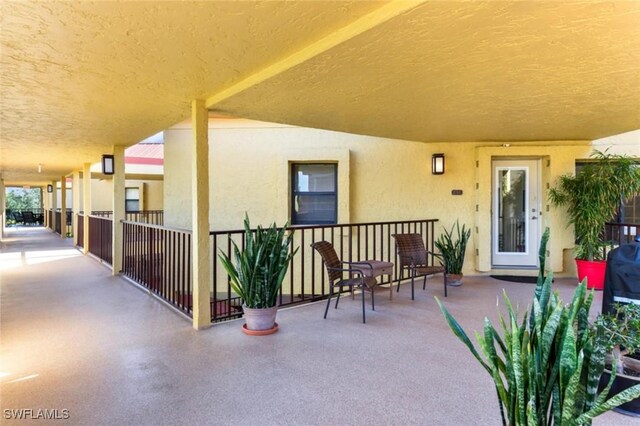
(10, 260)
(20, 259)
(22, 379)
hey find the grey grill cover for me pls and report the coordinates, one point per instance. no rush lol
(622, 277)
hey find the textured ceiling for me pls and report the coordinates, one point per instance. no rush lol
(470, 71)
(79, 77)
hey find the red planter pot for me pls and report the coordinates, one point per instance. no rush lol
(593, 271)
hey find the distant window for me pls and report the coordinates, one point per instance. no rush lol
(132, 199)
(630, 211)
(314, 194)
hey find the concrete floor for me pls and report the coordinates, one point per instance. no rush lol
(75, 338)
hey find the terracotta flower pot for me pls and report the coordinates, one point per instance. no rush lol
(454, 280)
(593, 271)
(260, 320)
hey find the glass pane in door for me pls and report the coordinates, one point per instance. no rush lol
(512, 210)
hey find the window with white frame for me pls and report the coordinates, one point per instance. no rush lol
(314, 193)
(132, 199)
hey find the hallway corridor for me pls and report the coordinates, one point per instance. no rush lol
(74, 336)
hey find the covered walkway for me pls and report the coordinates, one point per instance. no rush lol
(76, 338)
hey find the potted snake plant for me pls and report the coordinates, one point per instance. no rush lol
(452, 245)
(257, 274)
(546, 366)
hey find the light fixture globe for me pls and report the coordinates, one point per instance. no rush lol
(437, 164)
(107, 164)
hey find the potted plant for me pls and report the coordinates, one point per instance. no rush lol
(592, 197)
(619, 333)
(547, 365)
(257, 274)
(452, 250)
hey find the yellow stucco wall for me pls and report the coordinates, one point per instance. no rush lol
(151, 193)
(385, 179)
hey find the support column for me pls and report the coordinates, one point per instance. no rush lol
(3, 206)
(86, 204)
(75, 198)
(54, 204)
(45, 206)
(42, 191)
(63, 207)
(200, 219)
(118, 207)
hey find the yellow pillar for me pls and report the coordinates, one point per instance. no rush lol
(63, 207)
(45, 206)
(54, 204)
(86, 203)
(118, 207)
(75, 198)
(200, 219)
(3, 206)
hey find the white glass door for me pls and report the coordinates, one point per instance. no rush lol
(515, 213)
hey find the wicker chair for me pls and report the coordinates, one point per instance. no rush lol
(414, 258)
(335, 270)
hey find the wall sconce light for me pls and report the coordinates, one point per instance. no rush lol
(49, 188)
(107, 164)
(437, 164)
(39, 168)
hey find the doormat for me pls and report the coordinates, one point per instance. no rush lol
(516, 279)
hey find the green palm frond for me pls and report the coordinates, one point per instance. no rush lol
(593, 196)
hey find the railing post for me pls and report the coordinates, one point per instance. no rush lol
(200, 219)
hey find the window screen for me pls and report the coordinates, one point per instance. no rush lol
(132, 199)
(314, 194)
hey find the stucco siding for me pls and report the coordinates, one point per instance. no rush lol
(383, 179)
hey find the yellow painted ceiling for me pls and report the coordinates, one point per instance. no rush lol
(79, 77)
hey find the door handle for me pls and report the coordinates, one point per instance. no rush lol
(534, 218)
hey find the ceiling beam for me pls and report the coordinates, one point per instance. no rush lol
(365, 23)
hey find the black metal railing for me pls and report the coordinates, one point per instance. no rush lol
(306, 279)
(159, 259)
(25, 216)
(58, 224)
(80, 218)
(101, 213)
(68, 226)
(153, 217)
(616, 234)
(100, 238)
